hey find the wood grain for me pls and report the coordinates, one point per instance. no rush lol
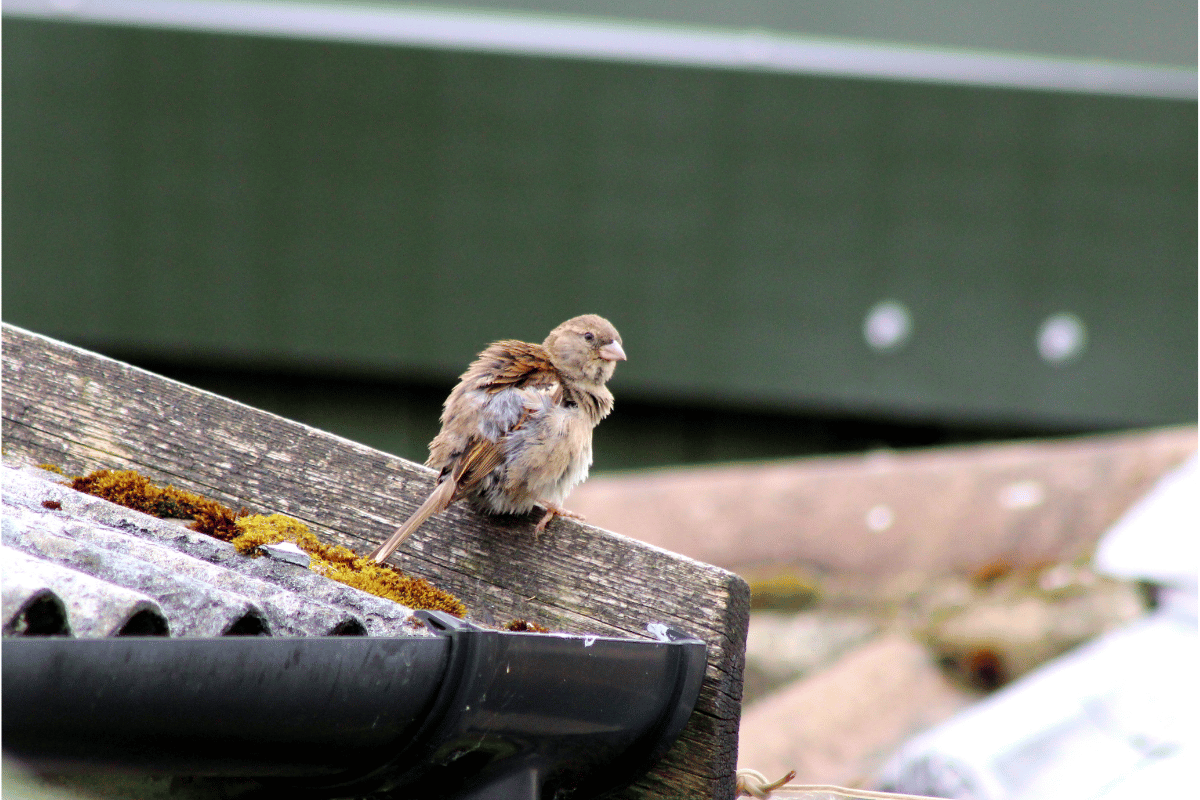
(82, 411)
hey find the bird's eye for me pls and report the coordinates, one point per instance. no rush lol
(589, 336)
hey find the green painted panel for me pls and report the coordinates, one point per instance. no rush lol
(385, 212)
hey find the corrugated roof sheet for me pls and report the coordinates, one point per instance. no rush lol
(82, 566)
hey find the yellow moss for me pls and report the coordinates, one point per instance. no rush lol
(783, 592)
(52, 468)
(218, 521)
(525, 626)
(127, 488)
(248, 531)
(344, 565)
(385, 581)
(257, 529)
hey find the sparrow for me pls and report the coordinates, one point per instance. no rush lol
(517, 429)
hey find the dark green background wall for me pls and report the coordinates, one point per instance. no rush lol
(380, 213)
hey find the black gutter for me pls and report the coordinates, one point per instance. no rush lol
(465, 713)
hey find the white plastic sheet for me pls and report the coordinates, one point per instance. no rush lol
(1112, 720)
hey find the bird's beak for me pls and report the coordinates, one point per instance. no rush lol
(612, 352)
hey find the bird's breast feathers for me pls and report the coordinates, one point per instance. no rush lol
(547, 446)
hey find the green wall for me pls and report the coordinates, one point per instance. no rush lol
(383, 212)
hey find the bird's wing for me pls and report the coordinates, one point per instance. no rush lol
(481, 457)
(512, 364)
(510, 384)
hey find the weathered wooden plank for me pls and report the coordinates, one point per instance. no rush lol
(83, 411)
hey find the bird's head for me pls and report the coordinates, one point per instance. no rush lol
(585, 348)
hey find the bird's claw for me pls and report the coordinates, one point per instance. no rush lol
(553, 511)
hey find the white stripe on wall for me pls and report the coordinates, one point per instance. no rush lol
(530, 34)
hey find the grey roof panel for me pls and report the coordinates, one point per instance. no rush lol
(110, 568)
(39, 612)
(92, 607)
(194, 608)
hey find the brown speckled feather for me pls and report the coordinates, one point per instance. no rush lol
(512, 363)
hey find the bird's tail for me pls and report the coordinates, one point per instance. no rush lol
(439, 499)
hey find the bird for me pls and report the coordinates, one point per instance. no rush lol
(517, 428)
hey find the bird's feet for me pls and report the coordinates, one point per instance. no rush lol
(552, 511)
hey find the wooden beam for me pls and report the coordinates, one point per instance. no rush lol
(82, 411)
